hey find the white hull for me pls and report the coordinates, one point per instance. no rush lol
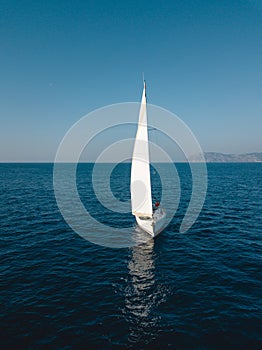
(153, 225)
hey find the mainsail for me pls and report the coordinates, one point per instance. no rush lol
(141, 197)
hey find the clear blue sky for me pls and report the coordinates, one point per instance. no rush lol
(62, 59)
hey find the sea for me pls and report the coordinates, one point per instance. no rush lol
(199, 289)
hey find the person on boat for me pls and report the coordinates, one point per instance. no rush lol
(156, 205)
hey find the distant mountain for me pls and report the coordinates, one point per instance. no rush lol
(221, 157)
(214, 157)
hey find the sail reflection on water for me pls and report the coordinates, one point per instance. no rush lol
(142, 294)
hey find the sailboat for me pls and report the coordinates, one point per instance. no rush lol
(150, 219)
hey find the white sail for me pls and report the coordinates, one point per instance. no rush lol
(140, 187)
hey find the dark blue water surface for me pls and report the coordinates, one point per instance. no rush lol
(198, 290)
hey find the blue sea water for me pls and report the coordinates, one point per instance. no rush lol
(197, 290)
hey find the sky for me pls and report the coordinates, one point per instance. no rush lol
(60, 60)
